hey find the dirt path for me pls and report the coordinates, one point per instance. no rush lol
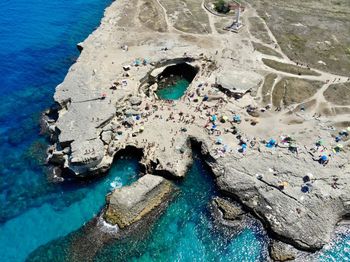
(211, 20)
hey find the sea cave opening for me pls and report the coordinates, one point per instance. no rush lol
(174, 80)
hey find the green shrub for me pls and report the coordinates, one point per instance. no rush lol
(221, 6)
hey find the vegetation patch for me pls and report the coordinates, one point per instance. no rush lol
(313, 32)
(258, 30)
(265, 50)
(267, 87)
(289, 68)
(290, 90)
(151, 16)
(221, 6)
(187, 15)
(338, 94)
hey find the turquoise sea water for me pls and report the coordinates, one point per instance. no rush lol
(173, 92)
(186, 232)
(39, 225)
(37, 46)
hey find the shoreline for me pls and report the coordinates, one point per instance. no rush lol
(89, 124)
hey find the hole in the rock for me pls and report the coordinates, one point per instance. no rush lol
(174, 80)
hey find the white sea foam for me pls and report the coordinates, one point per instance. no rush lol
(106, 227)
(116, 183)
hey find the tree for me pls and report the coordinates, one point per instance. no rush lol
(221, 6)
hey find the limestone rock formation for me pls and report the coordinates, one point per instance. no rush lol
(272, 186)
(102, 110)
(130, 204)
(281, 252)
(229, 210)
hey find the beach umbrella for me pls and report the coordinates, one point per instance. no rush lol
(237, 118)
(213, 127)
(259, 176)
(219, 140)
(226, 148)
(319, 143)
(272, 141)
(225, 118)
(344, 133)
(338, 148)
(293, 147)
(305, 189)
(324, 158)
(213, 117)
(142, 128)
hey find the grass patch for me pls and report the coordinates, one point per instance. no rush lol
(266, 50)
(258, 30)
(267, 87)
(311, 31)
(289, 68)
(338, 94)
(151, 16)
(290, 90)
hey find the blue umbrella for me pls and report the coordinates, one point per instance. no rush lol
(219, 140)
(237, 118)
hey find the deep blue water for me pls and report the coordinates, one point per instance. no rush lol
(37, 46)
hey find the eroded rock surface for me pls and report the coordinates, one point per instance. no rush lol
(282, 252)
(130, 204)
(271, 183)
(108, 102)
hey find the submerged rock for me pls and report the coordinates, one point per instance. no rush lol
(229, 210)
(130, 204)
(280, 251)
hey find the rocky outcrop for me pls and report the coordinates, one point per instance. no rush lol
(103, 109)
(281, 252)
(230, 211)
(270, 186)
(238, 84)
(130, 204)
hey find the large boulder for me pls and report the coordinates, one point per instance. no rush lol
(280, 251)
(238, 81)
(130, 204)
(86, 155)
